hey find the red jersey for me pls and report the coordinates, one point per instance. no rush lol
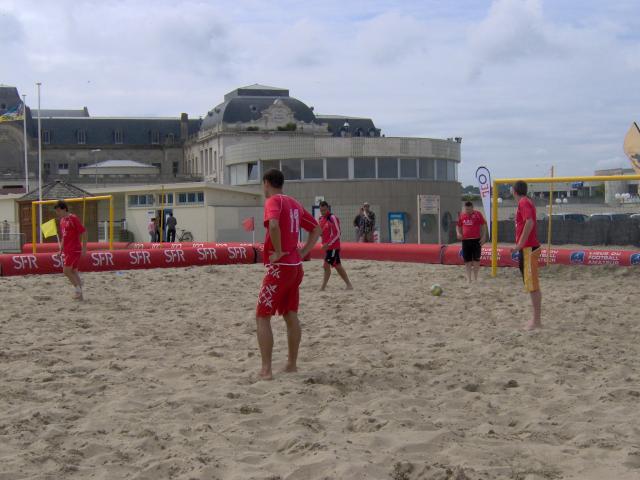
(330, 231)
(526, 211)
(291, 217)
(72, 230)
(471, 224)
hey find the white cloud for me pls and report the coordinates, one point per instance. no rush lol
(555, 83)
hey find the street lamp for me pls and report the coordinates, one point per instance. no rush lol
(96, 162)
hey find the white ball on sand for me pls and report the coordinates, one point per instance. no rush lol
(436, 290)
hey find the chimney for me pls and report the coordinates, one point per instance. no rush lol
(184, 126)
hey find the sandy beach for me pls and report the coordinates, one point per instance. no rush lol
(153, 377)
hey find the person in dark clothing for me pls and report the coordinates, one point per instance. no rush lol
(171, 228)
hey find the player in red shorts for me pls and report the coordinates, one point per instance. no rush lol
(73, 246)
(330, 225)
(279, 294)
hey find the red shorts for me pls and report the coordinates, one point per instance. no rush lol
(280, 291)
(72, 259)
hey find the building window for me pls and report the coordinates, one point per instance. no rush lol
(117, 137)
(252, 171)
(291, 169)
(441, 169)
(155, 137)
(81, 136)
(427, 169)
(46, 137)
(63, 168)
(337, 168)
(387, 168)
(451, 171)
(47, 169)
(141, 200)
(171, 138)
(408, 168)
(269, 164)
(174, 169)
(314, 169)
(364, 168)
(82, 165)
(166, 199)
(190, 198)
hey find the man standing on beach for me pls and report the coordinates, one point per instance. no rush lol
(528, 246)
(171, 227)
(472, 230)
(330, 225)
(73, 246)
(280, 291)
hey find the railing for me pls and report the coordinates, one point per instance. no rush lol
(11, 242)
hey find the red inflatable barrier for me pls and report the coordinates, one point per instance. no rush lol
(386, 252)
(557, 256)
(53, 247)
(99, 261)
(452, 255)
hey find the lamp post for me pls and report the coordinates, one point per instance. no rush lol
(39, 163)
(96, 162)
(24, 131)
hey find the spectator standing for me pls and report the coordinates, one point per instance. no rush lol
(171, 228)
(367, 224)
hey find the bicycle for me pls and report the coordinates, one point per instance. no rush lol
(184, 235)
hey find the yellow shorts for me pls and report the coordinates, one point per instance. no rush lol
(529, 259)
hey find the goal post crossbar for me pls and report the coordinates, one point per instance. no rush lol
(505, 181)
(35, 203)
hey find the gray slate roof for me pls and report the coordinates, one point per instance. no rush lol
(56, 190)
(358, 127)
(60, 113)
(101, 131)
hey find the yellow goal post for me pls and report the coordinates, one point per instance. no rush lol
(34, 219)
(551, 180)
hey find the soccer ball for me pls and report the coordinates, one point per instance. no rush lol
(436, 290)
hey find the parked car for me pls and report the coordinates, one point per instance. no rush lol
(574, 217)
(608, 217)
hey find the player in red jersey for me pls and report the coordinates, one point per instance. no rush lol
(73, 246)
(279, 294)
(528, 246)
(330, 225)
(472, 230)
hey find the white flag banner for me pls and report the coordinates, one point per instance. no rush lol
(484, 183)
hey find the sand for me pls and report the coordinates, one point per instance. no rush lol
(153, 377)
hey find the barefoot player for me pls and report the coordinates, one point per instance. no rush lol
(331, 245)
(528, 246)
(283, 218)
(472, 230)
(73, 246)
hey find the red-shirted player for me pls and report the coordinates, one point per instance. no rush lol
(330, 225)
(528, 246)
(472, 230)
(279, 294)
(73, 246)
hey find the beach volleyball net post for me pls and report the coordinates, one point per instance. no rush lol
(35, 221)
(580, 210)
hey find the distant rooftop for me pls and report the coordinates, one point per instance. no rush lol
(53, 113)
(257, 90)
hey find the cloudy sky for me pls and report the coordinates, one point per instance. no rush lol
(526, 83)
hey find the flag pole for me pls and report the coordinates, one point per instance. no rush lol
(39, 161)
(24, 131)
